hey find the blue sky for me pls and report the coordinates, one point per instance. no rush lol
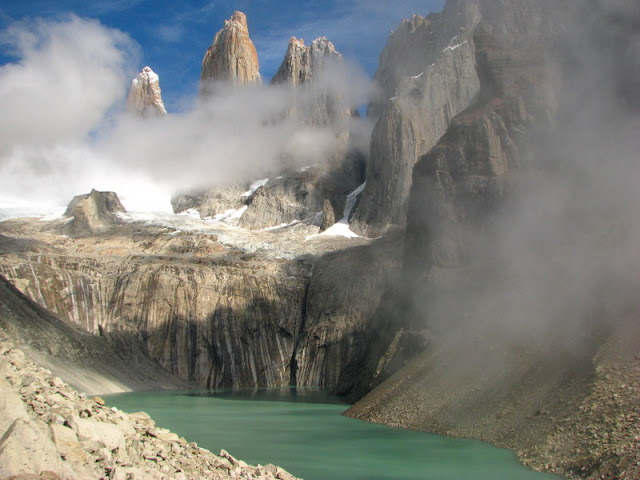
(173, 36)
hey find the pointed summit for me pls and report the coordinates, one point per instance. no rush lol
(301, 63)
(232, 56)
(317, 102)
(145, 96)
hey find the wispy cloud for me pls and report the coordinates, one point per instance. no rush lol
(181, 23)
(69, 75)
(61, 134)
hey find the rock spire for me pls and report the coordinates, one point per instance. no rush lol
(145, 96)
(232, 57)
(316, 102)
(301, 63)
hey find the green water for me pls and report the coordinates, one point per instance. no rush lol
(304, 433)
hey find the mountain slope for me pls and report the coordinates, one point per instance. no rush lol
(75, 356)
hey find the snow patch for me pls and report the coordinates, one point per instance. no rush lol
(255, 186)
(454, 47)
(278, 227)
(15, 208)
(191, 212)
(233, 214)
(341, 228)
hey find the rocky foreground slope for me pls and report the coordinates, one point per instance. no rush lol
(50, 431)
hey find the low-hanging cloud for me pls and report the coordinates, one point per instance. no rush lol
(69, 74)
(64, 130)
(556, 258)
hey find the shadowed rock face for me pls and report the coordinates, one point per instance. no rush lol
(218, 322)
(145, 96)
(76, 355)
(232, 57)
(426, 76)
(490, 246)
(300, 195)
(92, 212)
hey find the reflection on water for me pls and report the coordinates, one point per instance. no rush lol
(284, 394)
(302, 431)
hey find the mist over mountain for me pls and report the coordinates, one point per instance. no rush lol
(462, 260)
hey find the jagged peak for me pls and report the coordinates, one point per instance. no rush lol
(302, 62)
(238, 18)
(232, 56)
(146, 75)
(323, 43)
(295, 44)
(145, 95)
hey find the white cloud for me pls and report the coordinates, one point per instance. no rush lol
(61, 134)
(69, 75)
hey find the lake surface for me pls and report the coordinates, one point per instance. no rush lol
(303, 432)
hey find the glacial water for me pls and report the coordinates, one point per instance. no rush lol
(303, 432)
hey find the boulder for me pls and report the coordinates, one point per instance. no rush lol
(92, 212)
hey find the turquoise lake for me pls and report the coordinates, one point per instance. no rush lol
(304, 432)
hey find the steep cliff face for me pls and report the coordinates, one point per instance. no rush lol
(75, 355)
(145, 96)
(511, 207)
(232, 57)
(211, 314)
(218, 322)
(344, 292)
(426, 76)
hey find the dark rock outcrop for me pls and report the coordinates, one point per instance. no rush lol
(501, 219)
(145, 96)
(427, 76)
(328, 215)
(92, 212)
(299, 195)
(232, 56)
